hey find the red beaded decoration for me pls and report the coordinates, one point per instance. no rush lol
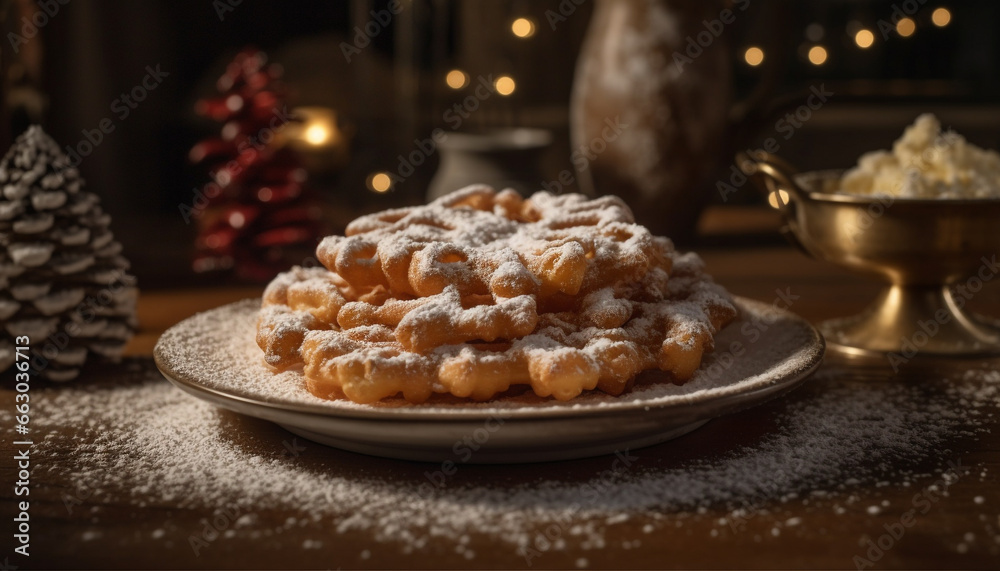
(256, 217)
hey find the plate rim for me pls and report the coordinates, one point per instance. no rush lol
(220, 397)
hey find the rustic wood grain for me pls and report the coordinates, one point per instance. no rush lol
(115, 534)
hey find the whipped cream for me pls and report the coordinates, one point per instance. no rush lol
(927, 163)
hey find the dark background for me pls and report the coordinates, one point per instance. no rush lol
(92, 50)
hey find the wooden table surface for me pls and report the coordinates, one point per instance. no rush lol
(823, 540)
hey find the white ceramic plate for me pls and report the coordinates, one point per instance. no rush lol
(763, 354)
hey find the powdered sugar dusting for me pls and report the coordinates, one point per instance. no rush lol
(146, 443)
(216, 349)
(455, 284)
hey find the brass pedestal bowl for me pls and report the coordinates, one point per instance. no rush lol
(933, 255)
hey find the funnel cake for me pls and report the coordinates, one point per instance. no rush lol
(482, 290)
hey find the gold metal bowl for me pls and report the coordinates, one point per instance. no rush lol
(934, 256)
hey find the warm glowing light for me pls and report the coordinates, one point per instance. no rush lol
(505, 85)
(906, 27)
(817, 55)
(380, 182)
(754, 56)
(234, 103)
(941, 17)
(230, 130)
(774, 197)
(864, 38)
(457, 79)
(237, 220)
(265, 194)
(316, 127)
(317, 134)
(523, 28)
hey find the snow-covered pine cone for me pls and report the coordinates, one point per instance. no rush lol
(63, 281)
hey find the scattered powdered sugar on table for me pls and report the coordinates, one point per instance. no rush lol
(216, 349)
(148, 444)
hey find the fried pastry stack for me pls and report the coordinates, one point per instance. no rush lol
(481, 290)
